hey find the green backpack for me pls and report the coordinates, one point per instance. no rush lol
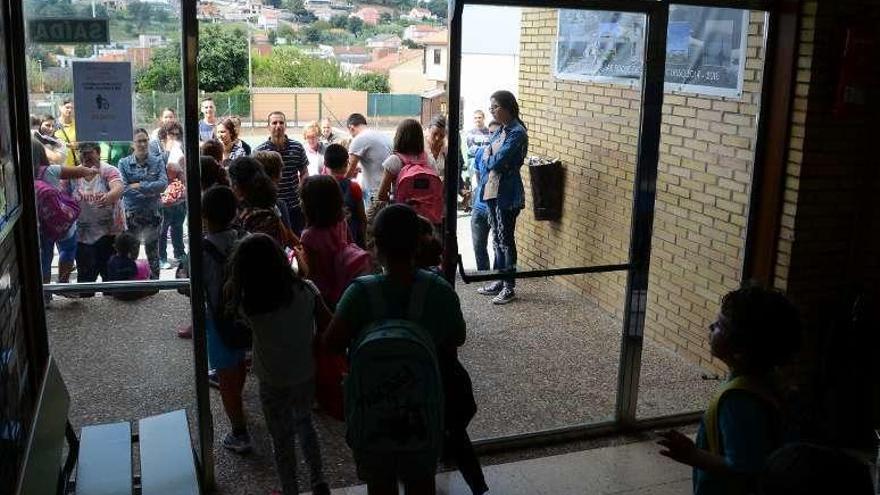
(393, 392)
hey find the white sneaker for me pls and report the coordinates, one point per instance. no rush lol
(505, 296)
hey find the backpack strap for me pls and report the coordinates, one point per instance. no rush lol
(418, 297)
(712, 416)
(377, 300)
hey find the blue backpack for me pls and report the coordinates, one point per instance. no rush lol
(394, 392)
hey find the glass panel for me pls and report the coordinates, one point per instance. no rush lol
(576, 74)
(707, 147)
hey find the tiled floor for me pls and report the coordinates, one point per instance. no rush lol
(634, 468)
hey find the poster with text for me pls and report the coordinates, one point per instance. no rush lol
(705, 48)
(102, 92)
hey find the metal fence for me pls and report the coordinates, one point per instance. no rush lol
(148, 106)
(390, 105)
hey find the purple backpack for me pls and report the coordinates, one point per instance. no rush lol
(56, 210)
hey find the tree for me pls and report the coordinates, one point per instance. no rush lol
(355, 25)
(289, 67)
(440, 8)
(273, 37)
(83, 51)
(386, 18)
(163, 73)
(222, 62)
(371, 83)
(223, 58)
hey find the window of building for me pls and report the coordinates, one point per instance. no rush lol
(437, 56)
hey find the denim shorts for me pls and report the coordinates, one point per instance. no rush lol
(220, 356)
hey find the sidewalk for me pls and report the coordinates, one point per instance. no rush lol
(634, 468)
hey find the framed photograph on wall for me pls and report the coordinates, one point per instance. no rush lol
(706, 48)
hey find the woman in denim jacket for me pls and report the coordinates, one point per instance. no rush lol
(503, 192)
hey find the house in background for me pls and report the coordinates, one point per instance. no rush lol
(351, 58)
(435, 59)
(419, 14)
(489, 55)
(404, 71)
(417, 32)
(391, 41)
(268, 18)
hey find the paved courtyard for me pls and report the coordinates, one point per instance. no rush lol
(548, 360)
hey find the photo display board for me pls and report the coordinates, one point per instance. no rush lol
(705, 48)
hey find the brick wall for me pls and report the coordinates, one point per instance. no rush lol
(828, 246)
(706, 159)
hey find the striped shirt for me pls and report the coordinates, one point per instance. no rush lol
(294, 159)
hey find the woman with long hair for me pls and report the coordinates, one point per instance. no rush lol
(227, 134)
(503, 192)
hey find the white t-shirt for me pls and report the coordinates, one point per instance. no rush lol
(283, 340)
(372, 147)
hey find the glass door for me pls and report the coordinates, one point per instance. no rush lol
(564, 354)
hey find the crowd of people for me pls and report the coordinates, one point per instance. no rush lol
(320, 262)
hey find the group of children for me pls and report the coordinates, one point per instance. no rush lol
(293, 300)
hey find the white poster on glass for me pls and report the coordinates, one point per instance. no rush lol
(102, 97)
(705, 48)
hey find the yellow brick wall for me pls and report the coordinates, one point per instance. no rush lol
(796, 143)
(706, 160)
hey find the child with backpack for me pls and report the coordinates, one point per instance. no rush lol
(394, 392)
(412, 174)
(757, 330)
(336, 162)
(282, 310)
(333, 262)
(57, 212)
(226, 352)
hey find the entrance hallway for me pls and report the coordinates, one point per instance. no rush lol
(632, 469)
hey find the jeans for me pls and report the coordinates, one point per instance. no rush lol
(172, 219)
(91, 260)
(288, 413)
(503, 223)
(144, 225)
(66, 252)
(480, 237)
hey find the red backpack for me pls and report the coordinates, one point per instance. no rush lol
(419, 186)
(56, 210)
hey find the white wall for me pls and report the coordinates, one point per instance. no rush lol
(490, 55)
(436, 72)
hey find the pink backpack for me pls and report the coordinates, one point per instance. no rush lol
(56, 210)
(419, 186)
(351, 262)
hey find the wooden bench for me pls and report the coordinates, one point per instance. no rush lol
(103, 453)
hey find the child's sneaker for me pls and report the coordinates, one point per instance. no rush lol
(505, 296)
(240, 444)
(213, 380)
(491, 288)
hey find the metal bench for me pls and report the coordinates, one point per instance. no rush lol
(103, 453)
(166, 458)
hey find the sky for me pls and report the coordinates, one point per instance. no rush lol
(491, 30)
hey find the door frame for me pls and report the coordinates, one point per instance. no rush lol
(642, 217)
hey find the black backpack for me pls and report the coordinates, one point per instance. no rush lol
(234, 330)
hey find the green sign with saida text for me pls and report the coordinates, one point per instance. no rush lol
(57, 30)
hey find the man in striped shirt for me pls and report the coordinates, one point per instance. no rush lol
(294, 170)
